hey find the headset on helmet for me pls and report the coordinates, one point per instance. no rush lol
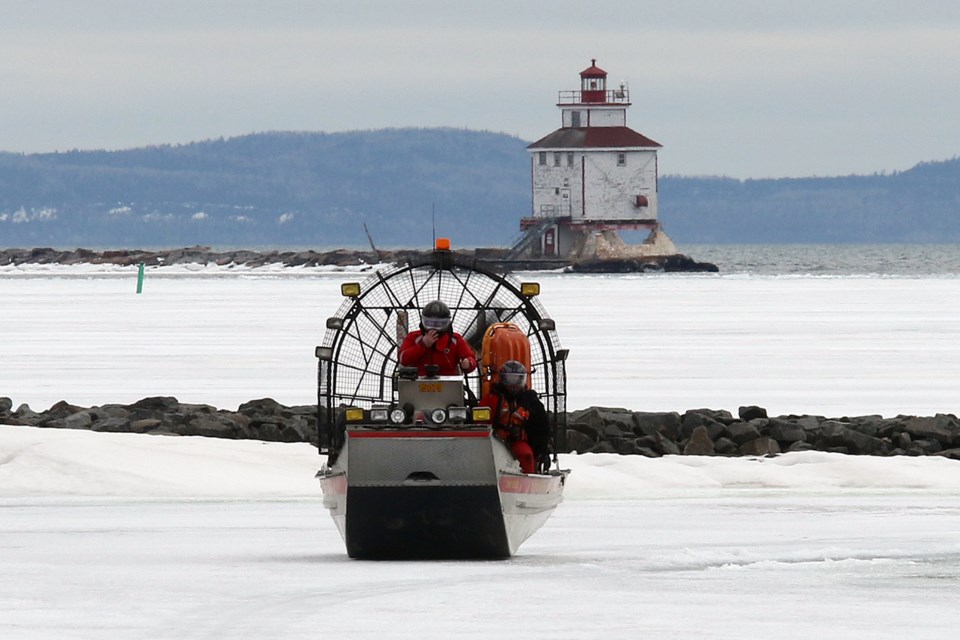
(436, 315)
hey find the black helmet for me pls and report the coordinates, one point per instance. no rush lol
(513, 375)
(436, 315)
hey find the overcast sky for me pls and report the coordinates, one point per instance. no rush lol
(743, 88)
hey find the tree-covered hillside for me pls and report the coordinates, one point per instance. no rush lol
(304, 189)
(318, 190)
(918, 205)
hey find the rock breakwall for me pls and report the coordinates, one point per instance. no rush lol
(594, 430)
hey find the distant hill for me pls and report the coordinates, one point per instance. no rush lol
(918, 205)
(317, 190)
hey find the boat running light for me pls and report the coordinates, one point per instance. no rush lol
(458, 414)
(529, 289)
(481, 414)
(353, 414)
(350, 289)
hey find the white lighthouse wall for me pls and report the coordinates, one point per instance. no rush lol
(610, 189)
(557, 189)
(595, 186)
(594, 117)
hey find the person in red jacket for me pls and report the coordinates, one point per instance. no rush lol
(435, 343)
(519, 417)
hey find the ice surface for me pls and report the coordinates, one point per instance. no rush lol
(833, 346)
(138, 536)
(126, 535)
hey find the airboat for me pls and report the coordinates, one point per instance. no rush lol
(413, 468)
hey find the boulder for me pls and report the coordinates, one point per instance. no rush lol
(700, 443)
(145, 425)
(261, 407)
(212, 426)
(112, 425)
(155, 404)
(79, 420)
(719, 415)
(751, 412)
(786, 432)
(694, 419)
(837, 434)
(578, 442)
(740, 432)
(609, 422)
(27, 416)
(762, 446)
(652, 423)
(587, 430)
(666, 446)
(944, 428)
(726, 447)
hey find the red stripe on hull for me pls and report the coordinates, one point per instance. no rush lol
(529, 484)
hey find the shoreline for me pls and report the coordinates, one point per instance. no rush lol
(335, 258)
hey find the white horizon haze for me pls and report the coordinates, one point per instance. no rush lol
(746, 89)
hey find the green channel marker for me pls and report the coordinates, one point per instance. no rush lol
(140, 279)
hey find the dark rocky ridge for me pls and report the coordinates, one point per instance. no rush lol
(338, 257)
(592, 430)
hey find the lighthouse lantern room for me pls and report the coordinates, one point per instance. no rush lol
(592, 177)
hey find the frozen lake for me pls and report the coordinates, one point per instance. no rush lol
(833, 346)
(122, 536)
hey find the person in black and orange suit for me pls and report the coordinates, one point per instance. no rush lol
(435, 343)
(519, 417)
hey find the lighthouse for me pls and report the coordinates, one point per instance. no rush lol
(592, 177)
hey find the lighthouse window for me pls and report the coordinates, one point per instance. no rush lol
(575, 119)
(570, 158)
(556, 158)
(543, 157)
(621, 159)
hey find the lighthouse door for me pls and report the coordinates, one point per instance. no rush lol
(550, 241)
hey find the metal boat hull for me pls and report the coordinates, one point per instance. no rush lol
(457, 493)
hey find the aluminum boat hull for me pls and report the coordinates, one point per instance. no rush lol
(434, 493)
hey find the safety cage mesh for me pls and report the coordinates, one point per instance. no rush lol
(364, 335)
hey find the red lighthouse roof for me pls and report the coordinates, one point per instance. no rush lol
(594, 138)
(593, 71)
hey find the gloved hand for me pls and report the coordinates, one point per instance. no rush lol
(518, 420)
(543, 464)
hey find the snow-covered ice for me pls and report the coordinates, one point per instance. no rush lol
(138, 536)
(125, 535)
(821, 345)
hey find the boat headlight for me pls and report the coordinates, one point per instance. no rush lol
(457, 414)
(481, 414)
(353, 414)
(378, 415)
(398, 415)
(438, 416)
